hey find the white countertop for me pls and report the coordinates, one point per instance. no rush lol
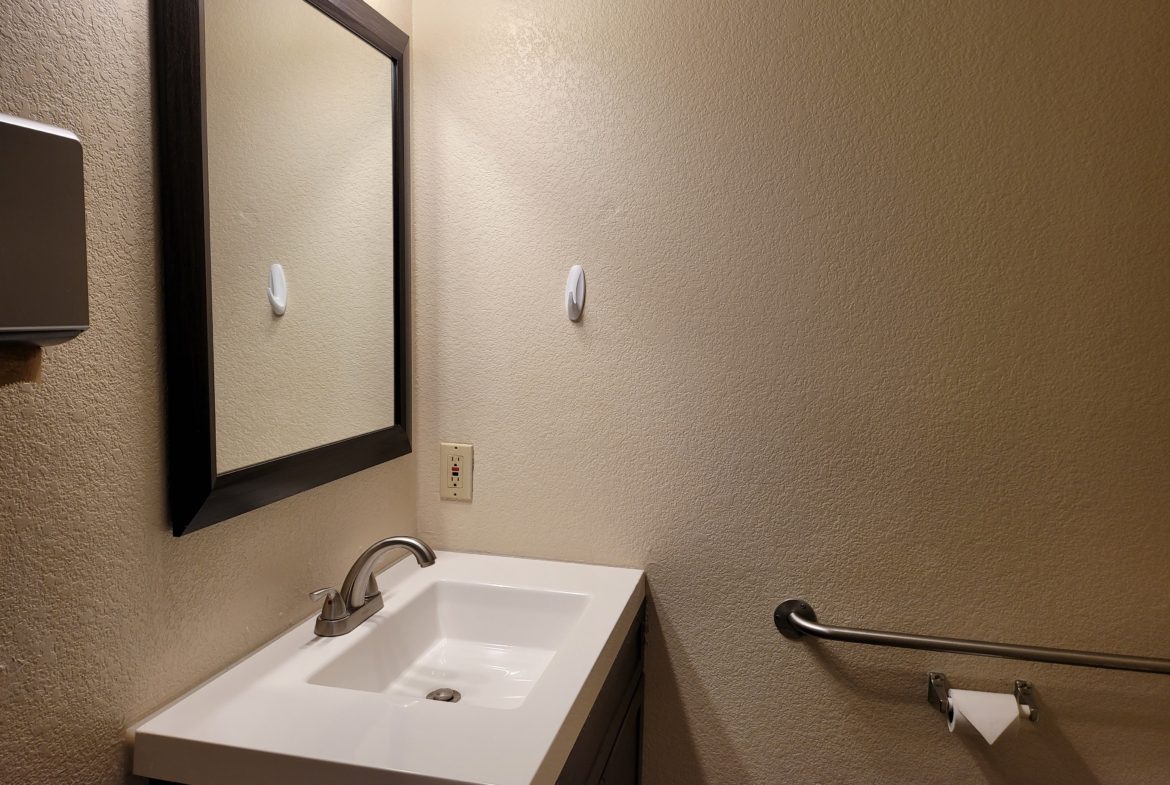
(264, 721)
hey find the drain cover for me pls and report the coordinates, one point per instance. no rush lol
(444, 694)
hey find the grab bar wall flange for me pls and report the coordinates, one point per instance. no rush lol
(795, 618)
(785, 609)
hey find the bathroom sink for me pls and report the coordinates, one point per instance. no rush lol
(491, 644)
(512, 651)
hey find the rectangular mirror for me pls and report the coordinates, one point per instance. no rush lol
(282, 156)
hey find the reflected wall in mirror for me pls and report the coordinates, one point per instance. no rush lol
(299, 173)
(281, 143)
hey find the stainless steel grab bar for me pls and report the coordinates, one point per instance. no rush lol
(796, 618)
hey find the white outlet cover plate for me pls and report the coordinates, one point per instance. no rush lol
(456, 463)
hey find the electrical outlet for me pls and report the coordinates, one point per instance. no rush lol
(455, 464)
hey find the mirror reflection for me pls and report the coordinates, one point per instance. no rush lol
(300, 174)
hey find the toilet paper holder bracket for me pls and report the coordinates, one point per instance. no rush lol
(937, 689)
(1026, 699)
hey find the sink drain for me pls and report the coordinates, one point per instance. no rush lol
(444, 694)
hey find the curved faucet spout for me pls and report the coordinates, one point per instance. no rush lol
(359, 583)
(359, 598)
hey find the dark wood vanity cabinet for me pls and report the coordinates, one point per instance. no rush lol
(609, 749)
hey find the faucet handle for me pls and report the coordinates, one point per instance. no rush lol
(372, 589)
(334, 608)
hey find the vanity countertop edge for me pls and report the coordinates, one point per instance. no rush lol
(181, 743)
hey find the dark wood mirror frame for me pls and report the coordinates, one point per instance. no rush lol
(198, 494)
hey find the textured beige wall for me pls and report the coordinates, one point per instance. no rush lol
(878, 315)
(300, 160)
(106, 616)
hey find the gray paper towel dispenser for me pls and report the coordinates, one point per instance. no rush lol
(44, 296)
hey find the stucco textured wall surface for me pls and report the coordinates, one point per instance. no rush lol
(107, 617)
(877, 316)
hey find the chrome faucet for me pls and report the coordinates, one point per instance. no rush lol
(360, 598)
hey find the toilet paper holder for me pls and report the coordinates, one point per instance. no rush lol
(937, 688)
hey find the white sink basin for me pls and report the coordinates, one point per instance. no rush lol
(526, 643)
(490, 643)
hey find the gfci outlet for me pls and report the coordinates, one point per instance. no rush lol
(455, 462)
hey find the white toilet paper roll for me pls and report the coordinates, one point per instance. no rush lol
(989, 713)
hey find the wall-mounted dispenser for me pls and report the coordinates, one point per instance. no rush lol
(44, 296)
